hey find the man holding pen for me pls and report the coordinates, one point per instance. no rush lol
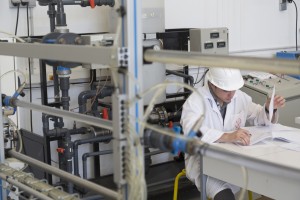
(227, 109)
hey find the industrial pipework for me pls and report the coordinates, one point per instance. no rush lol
(66, 176)
(40, 186)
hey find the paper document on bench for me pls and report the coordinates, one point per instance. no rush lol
(274, 131)
(258, 133)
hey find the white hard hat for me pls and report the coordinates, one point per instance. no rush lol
(225, 78)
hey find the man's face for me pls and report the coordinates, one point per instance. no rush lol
(223, 95)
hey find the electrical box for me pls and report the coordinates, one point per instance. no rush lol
(209, 40)
(286, 86)
(13, 3)
(282, 5)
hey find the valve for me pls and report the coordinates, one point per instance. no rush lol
(94, 3)
(105, 113)
(60, 150)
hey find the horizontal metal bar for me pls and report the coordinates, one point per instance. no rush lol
(23, 187)
(107, 124)
(74, 53)
(241, 62)
(66, 176)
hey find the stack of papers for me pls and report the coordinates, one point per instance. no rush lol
(274, 131)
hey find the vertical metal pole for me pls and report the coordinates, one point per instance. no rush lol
(2, 158)
(186, 71)
(134, 43)
(96, 148)
(203, 179)
(47, 155)
(132, 39)
(56, 87)
(44, 101)
(43, 82)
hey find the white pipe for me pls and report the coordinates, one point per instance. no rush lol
(241, 62)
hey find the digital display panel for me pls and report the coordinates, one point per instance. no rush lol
(214, 35)
(221, 44)
(208, 45)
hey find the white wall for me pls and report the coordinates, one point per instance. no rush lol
(253, 24)
(79, 20)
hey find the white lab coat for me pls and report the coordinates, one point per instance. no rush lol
(239, 110)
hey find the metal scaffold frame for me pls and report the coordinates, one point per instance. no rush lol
(2, 157)
(131, 41)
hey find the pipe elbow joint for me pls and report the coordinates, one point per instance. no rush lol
(76, 143)
(85, 156)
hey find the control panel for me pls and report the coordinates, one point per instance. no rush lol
(209, 40)
(286, 86)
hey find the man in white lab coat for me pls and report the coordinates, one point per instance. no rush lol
(227, 109)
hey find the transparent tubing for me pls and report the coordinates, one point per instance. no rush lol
(15, 71)
(12, 35)
(240, 62)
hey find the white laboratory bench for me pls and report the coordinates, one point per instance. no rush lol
(273, 186)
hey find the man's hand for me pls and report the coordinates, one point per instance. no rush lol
(241, 136)
(279, 102)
